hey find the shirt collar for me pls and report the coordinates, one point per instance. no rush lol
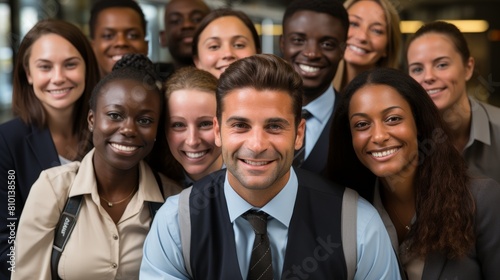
(280, 207)
(478, 131)
(187, 182)
(85, 181)
(322, 106)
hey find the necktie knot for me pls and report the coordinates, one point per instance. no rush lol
(258, 221)
(306, 114)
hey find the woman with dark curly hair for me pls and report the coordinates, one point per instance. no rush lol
(442, 223)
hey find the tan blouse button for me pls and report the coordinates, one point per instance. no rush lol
(115, 237)
(114, 265)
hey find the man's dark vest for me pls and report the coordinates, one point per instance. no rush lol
(314, 247)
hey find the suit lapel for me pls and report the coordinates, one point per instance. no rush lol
(317, 159)
(42, 147)
(434, 265)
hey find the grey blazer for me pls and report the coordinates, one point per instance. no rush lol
(482, 152)
(483, 262)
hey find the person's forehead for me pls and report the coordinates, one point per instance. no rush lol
(302, 19)
(248, 98)
(185, 7)
(112, 13)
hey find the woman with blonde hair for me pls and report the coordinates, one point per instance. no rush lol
(373, 40)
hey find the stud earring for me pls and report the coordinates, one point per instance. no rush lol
(91, 128)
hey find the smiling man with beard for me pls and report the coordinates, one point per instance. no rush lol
(313, 41)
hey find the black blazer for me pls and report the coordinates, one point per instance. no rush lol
(317, 160)
(25, 151)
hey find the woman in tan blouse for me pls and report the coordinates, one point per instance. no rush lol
(125, 119)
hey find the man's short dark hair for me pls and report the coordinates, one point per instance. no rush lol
(261, 72)
(331, 7)
(101, 5)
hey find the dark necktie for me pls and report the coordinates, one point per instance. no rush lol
(261, 265)
(299, 156)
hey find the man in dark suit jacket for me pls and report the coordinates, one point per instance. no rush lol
(313, 41)
(25, 151)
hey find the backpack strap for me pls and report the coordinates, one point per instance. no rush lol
(349, 219)
(65, 226)
(68, 219)
(158, 181)
(155, 206)
(185, 228)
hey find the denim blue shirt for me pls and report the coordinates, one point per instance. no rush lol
(163, 253)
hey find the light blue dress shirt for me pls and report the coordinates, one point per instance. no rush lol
(163, 253)
(321, 109)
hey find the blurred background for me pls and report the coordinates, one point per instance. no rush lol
(478, 19)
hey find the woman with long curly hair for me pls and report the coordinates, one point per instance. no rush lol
(442, 223)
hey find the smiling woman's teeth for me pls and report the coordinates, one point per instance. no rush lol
(256, 163)
(117, 57)
(123, 148)
(433, 91)
(356, 49)
(58, 91)
(195, 155)
(384, 153)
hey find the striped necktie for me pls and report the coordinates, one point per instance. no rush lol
(261, 265)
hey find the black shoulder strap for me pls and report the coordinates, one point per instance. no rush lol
(68, 219)
(155, 206)
(64, 228)
(158, 181)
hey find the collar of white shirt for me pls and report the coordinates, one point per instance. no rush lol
(280, 207)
